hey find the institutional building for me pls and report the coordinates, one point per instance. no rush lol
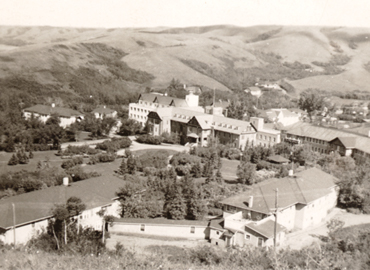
(186, 118)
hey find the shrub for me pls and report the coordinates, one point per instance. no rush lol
(114, 145)
(72, 162)
(13, 160)
(149, 139)
(106, 157)
(171, 138)
(158, 159)
(78, 150)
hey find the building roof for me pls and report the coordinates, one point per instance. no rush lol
(348, 142)
(361, 143)
(266, 228)
(103, 110)
(148, 97)
(49, 110)
(162, 221)
(217, 223)
(37, 205)
(278, 159)
(304, 187)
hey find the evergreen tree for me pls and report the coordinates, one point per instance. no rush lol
(131, 165)
(13, 160)
(123, 168)
(30, 155)
(39, 165)
(196, 170)
(177, 207)
(246, 172)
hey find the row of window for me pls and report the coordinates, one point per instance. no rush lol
(266, 138)
(138, 116)
(140, 110)
(142, 228)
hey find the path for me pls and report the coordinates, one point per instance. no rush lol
(300, 239)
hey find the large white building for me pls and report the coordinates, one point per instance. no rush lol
(186, 118)
(24, 216)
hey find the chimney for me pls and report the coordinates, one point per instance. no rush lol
(290, 173)
(165, 94)
(53, 105)
(185, 86)
(65, 181)
(105, 107)
(250, 202)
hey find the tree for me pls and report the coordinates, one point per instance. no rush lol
(311, 100)
(123, 168)
(246, 173)
(131, 165)
(13, 160)
(176, 209)
(62, 214)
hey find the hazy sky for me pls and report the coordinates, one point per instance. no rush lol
(141, 13)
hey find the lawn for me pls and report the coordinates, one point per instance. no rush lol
(42, 156)
(146, 151)
(229, 168)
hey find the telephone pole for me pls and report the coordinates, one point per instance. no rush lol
(14, 238)
(276, 215)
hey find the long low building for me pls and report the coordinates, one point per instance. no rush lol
(326, 140)
(24, 216)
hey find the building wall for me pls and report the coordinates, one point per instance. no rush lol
(139, 112)
(286, 217)
(64, 121)
(266, 138)
(88, 218)
(170, 230)
(24, 233)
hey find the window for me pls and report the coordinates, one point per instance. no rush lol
(247, 237)
(218, 233)
(260, 242)
(192, 229)
(142, 227)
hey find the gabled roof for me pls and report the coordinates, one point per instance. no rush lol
(304, 187)
(348, 142)
(148, 97)
(266, 228)
(205, 121)
(37, 205)
(49, 110)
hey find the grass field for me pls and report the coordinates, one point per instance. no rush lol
(43, 156)
(229, 168)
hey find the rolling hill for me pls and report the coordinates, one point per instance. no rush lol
(113, 65)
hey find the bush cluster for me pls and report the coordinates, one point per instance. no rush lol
(114, 144)
(72, 162)
(78, 150)
(102, 158)
(149, 139)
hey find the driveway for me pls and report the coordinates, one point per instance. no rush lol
(300, 239)
(135, 146)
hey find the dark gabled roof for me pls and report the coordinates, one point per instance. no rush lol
(162, 221)
(348, 142)
(278, 159)
(37, 205)
(304, 187)
(148, 97)
(49, 110)
(266, 228)
(217, 223)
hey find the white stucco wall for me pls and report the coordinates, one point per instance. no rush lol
(24, 233)
(170, 230)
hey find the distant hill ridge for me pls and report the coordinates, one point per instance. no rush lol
(58, 62)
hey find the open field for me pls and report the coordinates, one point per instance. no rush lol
(42, 156)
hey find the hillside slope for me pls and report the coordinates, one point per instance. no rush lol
(126, 61)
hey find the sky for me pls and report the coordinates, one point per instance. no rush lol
(182, 13)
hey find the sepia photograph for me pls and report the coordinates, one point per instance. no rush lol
(184, 134)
